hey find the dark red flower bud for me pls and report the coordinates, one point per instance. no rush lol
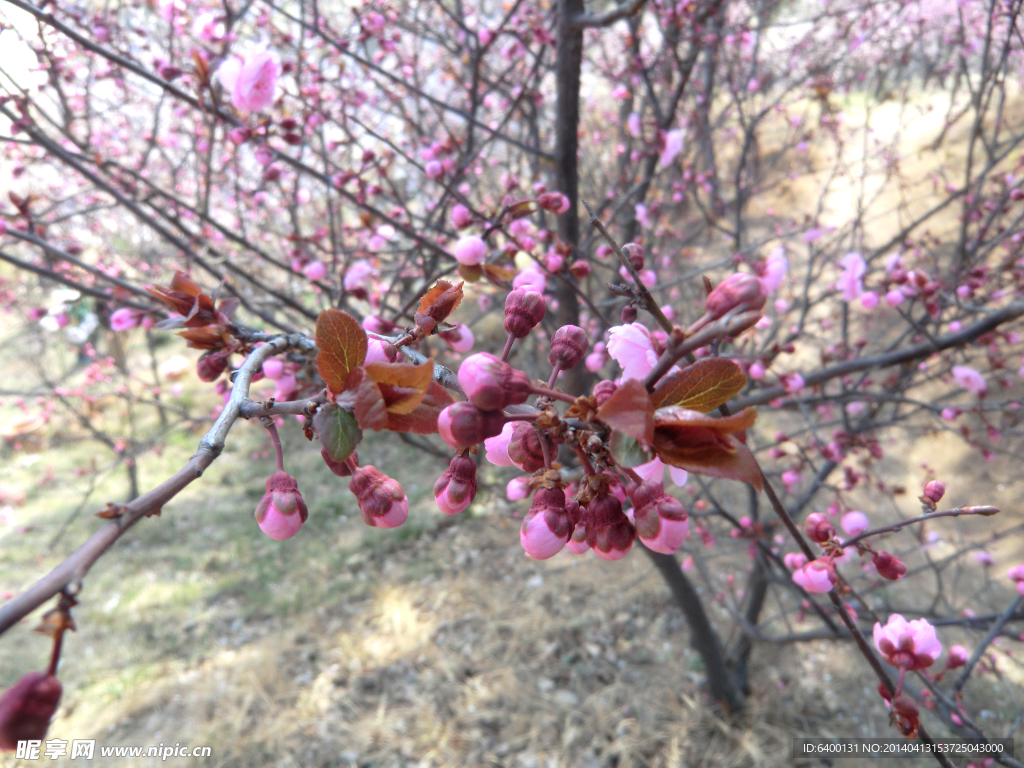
(553, 201)
(628, 314)
(281, 511)
(888, 566)
(603, 390)
(340, 468)
(635, 253)
(456, 488)
(661, 521)
(27, 707)
(818, 528)
(568, 346)
(381, 499)
(609, 532)
(736, 289)
(935, 490)
(524, 448)
(492, 384)
(580, 268)
(212, 365)
(547, 526)
(524, 309)
(463, 425)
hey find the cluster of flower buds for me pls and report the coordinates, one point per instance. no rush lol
(281, 511)
(381, 499)
(27, 707)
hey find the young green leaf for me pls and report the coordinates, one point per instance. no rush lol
(338, 431)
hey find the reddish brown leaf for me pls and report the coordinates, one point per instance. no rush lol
(185, 285)
(499, 273)
(439, 302)
(629, 410)
(342, 344)
(699, 443)
(364, 397)
(703, 386)
(423, 420)
(403, 386)
(203, 338)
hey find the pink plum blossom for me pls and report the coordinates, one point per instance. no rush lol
(673, 146)
(251, 79)
(357, 274)
(631, 347)
(850, 281)
(470, 250)
(817, 576)
(908, 644)
(854, 522)
(125, 319)
(969, 379)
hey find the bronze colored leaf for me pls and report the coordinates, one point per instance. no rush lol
(629, 410)
(342, 344)
(703, 386)
(363, 396)
(423, 420)
(403, 386)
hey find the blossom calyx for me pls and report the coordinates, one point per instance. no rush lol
(456, 487)
(524, 309)
(381, 499)
(281, 512)
(27, 707)
(492, 384)
(463, 425)
(661, 521)
(568, 346)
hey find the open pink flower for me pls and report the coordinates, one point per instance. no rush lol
(969, 379)
(850, 281)
(357, 274)
(673, 146)
(125, 319)
(775, 268)
(909, 644)
(817, 577)
(631, 347)
(251, 79)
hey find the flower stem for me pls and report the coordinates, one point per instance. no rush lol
(276, 440)
(553, 394)
(508, 346)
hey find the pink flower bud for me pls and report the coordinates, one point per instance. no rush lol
(459, 339)
(934, 490)
(604, 390)
(524, 448)
(957, 657)
(470, 250)
(461, 217)
(456, 488)
(661, 521)
(518, 488)
(381, 499)
(609, 532)
(315, 270)
(282, 511)
(817, 577)
(524, 309)
(888, 566)
(553, 201)
(434, 170)
(738, 288)
(580, 268)
(273, 368)
(547, 526)
(568, 346)
(635, 253)
(492, 384)
(818, 528)
(27, 707)
(854, 523)
(463, 425)
(794, 560)
(340, 468)
(125, 319)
